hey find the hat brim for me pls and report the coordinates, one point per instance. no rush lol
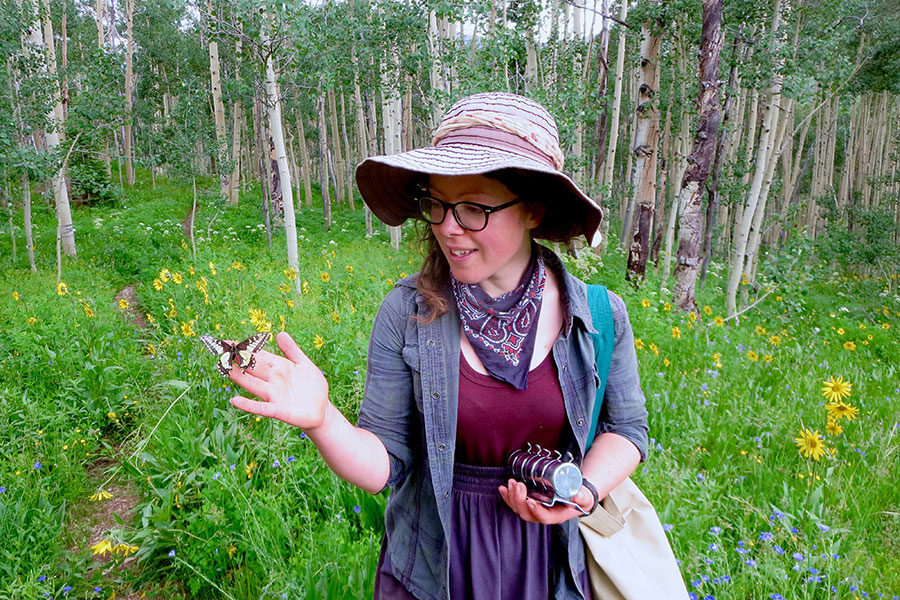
(388, 184)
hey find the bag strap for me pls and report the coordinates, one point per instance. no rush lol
(604, 341)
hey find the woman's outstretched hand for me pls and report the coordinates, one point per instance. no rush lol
(514, 493)
(292, 388)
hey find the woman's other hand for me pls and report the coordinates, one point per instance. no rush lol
(514, 493)
(292, 388)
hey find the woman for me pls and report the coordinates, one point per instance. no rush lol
(486, 349)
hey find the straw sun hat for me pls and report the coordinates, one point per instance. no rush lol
(480, 134)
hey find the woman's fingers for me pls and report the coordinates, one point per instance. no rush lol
(253, 383)
(263, 409)
(290, 348)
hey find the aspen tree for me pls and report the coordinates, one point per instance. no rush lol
(129, 86)
(304, 158)
(645, 154)
(273, 104)
(334, 148)
(215, 77)
(767, 140)
(237, 113)
(348, 175)
(65, 230)
(324, 187)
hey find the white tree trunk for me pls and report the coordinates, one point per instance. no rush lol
(65, 229)
(237, 113)
(129, 86)
(215, 77)
(273, 104)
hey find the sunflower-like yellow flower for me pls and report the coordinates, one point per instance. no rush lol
(88, 311)
(290, 273)
(326, 276)
(676, 333)
(774, 339)
(125, 549)
(349, 269)
(654, 349)
(31, 320)
(177, 278)
(15, 296)
(707, 310)
(752, 355)
(833, 427)
(187, 328)
(719, 321)
(810, 444)
(646, 302)
(123, 303)
(760, 330)
(850, 345)
(157, 284)
(101, 495)
(318, 342)
(639, 343)
(836, 389)
(841, 410)
(212, 269)
(165, 275)
(284, 288)
(62, 289)
(102, 547)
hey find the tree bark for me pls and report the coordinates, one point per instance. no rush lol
(645, 154)
(215, 77)
(275, 125)
(237, 114)
(129, 86)
(304, 159)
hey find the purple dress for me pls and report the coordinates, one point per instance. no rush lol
(494, 554)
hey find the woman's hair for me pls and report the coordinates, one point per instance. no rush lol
(532, 187)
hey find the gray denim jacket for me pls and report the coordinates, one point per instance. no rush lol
(410, 403)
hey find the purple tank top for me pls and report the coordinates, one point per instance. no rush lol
(494, 418)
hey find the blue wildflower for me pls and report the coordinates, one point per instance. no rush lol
(171, 554)
(98, 589)
(290, 459)
(668, 527)
(778, 549)
(67, 589)
(798, 556)
(776, 596)
(216, 475)
(697, 583)
(715, 530)
(2, 489)
(38, 465)
(357, 509)
(778, 513)
(823, 528)
(42, 578)
(700, 477)
(765, 536)
(276, 463)
(302, 436)
(713, 547)
(232, 466)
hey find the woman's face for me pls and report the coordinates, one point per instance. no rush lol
(495, 257)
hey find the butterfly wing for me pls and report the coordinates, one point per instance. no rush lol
(243, 352)
(223, 349)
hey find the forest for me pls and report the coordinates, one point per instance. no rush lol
(175, 167)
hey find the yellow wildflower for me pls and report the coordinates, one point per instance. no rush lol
(841, 410)
(335, 317)
(212, 268)
(284, 288)
(249, 469)
(32, 320)
(349, 269)
(125, 549)
(62, 289)
(326, 277)
(774, 339)
(768, 358)
(654, 349)
(187, 328)
(810, 444)
(238, 266)
(101, 495)
(666, 362)
(850, 346)
(840, 331)
(157, 284)
(639, 343)
(290, 303)
(760, 330)
(835, 390)
(88, 311)
(719, 321)
(707, 310)
(191, 270)
(667, 306)
(833, 427)
(177, 278)
(165, 275)
(15, 296)
(290, 273)
(123, 303)
(151, 318)
(305, 287)
(231, 551)
(692, 316)
(645, 302)
(281, 318)
(102, 547)
(151, 349)
(885, 325)
(676, 333)
(752, 355)
(318, 342)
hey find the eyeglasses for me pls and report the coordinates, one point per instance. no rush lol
(470, 215)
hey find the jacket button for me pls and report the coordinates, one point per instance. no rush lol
(446, 494)
(580, 422)
(442, 447)
(430, 343)
(435, 395)
(565, 367)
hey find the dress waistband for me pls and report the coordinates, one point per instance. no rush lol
(477, 479)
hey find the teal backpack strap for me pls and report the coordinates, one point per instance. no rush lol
(604, 341)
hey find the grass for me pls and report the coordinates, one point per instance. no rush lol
(239, 507)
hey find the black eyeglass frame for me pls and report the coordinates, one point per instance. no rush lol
(448, 208)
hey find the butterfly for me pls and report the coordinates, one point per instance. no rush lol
(240, 353)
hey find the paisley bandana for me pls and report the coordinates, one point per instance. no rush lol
(500, 329)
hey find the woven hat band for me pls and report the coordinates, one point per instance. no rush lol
(502, 131)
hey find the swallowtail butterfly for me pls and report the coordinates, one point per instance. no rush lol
(241, 353)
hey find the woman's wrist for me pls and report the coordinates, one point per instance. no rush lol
(595, 497)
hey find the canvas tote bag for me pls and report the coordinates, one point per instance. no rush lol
(627, 552)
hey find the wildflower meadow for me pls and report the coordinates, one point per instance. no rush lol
(775, 435)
